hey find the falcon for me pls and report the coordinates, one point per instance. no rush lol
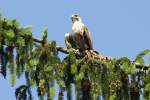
(80, 37)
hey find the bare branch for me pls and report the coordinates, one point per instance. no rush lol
(62, 49)
(144, 67)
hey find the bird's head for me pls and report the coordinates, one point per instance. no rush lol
(75, 18)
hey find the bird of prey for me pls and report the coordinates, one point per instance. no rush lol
(80, 37)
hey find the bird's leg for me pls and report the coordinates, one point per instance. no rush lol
(98, 56)
(87, 53)
(76, 51)
(92, 52)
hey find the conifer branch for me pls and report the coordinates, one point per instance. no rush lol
(98, 56)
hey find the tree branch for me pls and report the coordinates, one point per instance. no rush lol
(144, 67)
(99, 56)
(62, 49)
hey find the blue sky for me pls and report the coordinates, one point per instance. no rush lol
(119, 27)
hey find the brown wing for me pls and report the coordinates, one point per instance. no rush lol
(87, 38)
(69, 40)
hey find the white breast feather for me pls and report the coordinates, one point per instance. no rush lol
(77, 27)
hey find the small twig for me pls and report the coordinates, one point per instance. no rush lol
(62, 49)
(144, 67)
(37, 40)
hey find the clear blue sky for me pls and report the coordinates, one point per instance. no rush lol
(119, 27)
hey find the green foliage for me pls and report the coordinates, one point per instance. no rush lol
(147, 86)
(13, 79)
(61, 83)
(41, 60)
(52, 92)
(21, 41)
(73, 69)
(15, 23)
(139, 57)
(26, 30)
(44, 33)
(112, 98)
(79, 77)
(10, 34)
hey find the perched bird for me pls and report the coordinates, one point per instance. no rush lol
(80, 37)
